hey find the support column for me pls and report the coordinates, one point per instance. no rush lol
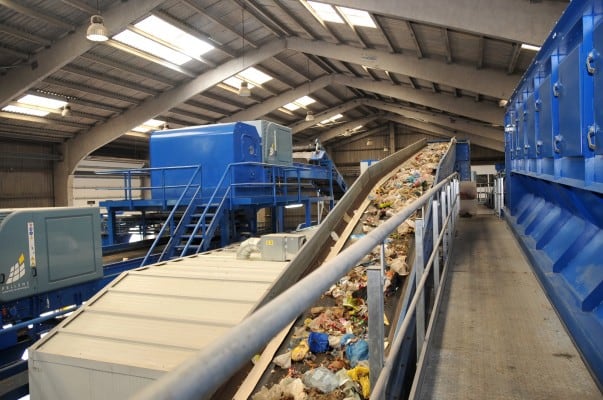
(392, 137)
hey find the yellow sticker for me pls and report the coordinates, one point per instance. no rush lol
(269, 242)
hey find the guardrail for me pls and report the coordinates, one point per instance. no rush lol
(201, 375)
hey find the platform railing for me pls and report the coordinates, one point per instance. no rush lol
(201, 375)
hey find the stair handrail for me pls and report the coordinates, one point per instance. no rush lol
(171, 216)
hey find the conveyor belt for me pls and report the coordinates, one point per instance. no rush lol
(497, 335)
(149, 320)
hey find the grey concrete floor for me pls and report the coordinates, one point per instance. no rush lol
(497, 335)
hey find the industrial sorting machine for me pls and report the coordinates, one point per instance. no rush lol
(554, 167)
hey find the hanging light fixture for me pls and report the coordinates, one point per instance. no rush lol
(369, 142)
(66, 111)
(244, 90)
(309, 116)
(385, 149)
(97, 31)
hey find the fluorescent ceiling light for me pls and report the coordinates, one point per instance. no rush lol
(325, 12)
(254, 75)
(356, 128)
(530, 47)
(332, 119)
(301, 102)
(150, 125)
(40, 101)
(186, 42)
(357, 17)
(152, 47)
(27, 111)
(296, 205)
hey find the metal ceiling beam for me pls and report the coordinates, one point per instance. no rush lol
(463, 106)
(71, 46)
(24, 35)
(489, 82)
(515, 20)
(217, 21)
(42, 120)
(86, 142)
(514, 58)
(253, 10)
(344, 129)
(440, 131)
(283, 8)
(355, 138)
(446, 40)
(109, 79)
(480, 52)
(439, 119)
(275, 102)
(126, 68)
(413, 36)
(80, 5)
(92, 90)
(33, 13)
(388, 40)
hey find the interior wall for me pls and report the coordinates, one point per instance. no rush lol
(26, 175)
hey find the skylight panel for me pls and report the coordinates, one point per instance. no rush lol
(150, 46)
(530, 47)
(291, 106)
(27, 111)
(254, 75)
(150, 125)
(357, 17)
(184, 41)
(325, 12)
(40, 101)
(332, 119)
(305, 100)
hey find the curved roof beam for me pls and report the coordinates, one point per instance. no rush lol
(488, 82)
(71, 46)
(514, 20)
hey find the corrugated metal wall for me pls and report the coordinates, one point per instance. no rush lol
(26, 175)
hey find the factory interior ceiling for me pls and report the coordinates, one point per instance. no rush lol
(333, 70)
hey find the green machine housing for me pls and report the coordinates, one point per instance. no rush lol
(46, 249)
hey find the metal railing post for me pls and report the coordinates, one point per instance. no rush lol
(436, 247)
(419, 268)
(444, 214)
(376, 331)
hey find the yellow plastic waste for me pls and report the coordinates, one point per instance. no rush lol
(300, 351)
(360, 374)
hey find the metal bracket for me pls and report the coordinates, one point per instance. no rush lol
(591, 58)
(538, 105)
(525, 148)
(590, 136)
(538, 146)
(557, 89)
(558, 139)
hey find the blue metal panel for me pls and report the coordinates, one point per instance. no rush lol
(570, 123)
(531, 133)
(598, 92)
(545, 118)
(463, 160)
(213, 147)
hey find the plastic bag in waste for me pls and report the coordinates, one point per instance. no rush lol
(360, 374)
(357, 351)
(318, 342)
(286, 388)
(300, 352)
(321, 379)
(283, 360)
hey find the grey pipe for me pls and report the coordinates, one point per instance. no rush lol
(201, 375)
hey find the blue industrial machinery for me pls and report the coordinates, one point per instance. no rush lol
(210, 181)
(554, 161)
(51, 262)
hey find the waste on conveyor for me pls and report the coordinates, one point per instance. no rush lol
(326, 356)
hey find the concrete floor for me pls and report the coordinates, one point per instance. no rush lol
(497, 336)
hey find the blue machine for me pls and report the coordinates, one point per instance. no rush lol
(211, 180)
(554, 164)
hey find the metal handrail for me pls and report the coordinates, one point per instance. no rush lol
(171, 215)
(201, 375)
